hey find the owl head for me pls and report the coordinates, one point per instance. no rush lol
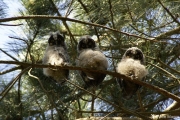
(86, 42)
(134, 53)
(56, 39)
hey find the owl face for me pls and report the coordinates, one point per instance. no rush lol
(134, 53)
(56, 39)
(86, 42)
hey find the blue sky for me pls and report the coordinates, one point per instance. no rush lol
(5, 31)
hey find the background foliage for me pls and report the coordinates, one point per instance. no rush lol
(151, 25)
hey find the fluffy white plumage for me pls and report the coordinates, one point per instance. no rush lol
(132, 65)
(133, 68)
(56, 54)
(91, 57)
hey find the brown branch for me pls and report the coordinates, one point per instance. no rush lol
(172, 16)
(71, 20)
(152, 87)
(171, 32)
(111, 13)
(10, 70)
(9, 55)
(11, 24)
(129, 11)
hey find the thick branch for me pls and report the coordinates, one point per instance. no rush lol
(152, 87)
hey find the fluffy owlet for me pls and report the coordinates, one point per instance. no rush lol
(132, 65)
(56, 54)
(91, 57)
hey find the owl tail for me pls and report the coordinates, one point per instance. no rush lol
(128, 88)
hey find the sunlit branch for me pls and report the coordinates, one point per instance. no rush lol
(175, 71)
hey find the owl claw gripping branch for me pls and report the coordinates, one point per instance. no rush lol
(56, 54)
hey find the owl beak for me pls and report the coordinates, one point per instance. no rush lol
(133, 52)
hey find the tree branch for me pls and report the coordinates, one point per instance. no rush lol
(71, 20)
(174, 18)
(152, 87)
(10, 70)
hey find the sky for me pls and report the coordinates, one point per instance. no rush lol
(5, 31)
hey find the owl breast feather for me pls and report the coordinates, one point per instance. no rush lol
(93, 59)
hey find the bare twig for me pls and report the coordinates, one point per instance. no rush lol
(108, 115)
(8, 54)
(168, 33)
(173, 70)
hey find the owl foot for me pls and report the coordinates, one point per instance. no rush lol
(54, 69)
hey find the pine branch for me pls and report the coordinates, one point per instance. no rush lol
(9, 87)
(71, 20)
(152, 87)
(167, 10)
(168, 73)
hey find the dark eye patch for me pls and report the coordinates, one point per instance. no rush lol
(51, 41)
